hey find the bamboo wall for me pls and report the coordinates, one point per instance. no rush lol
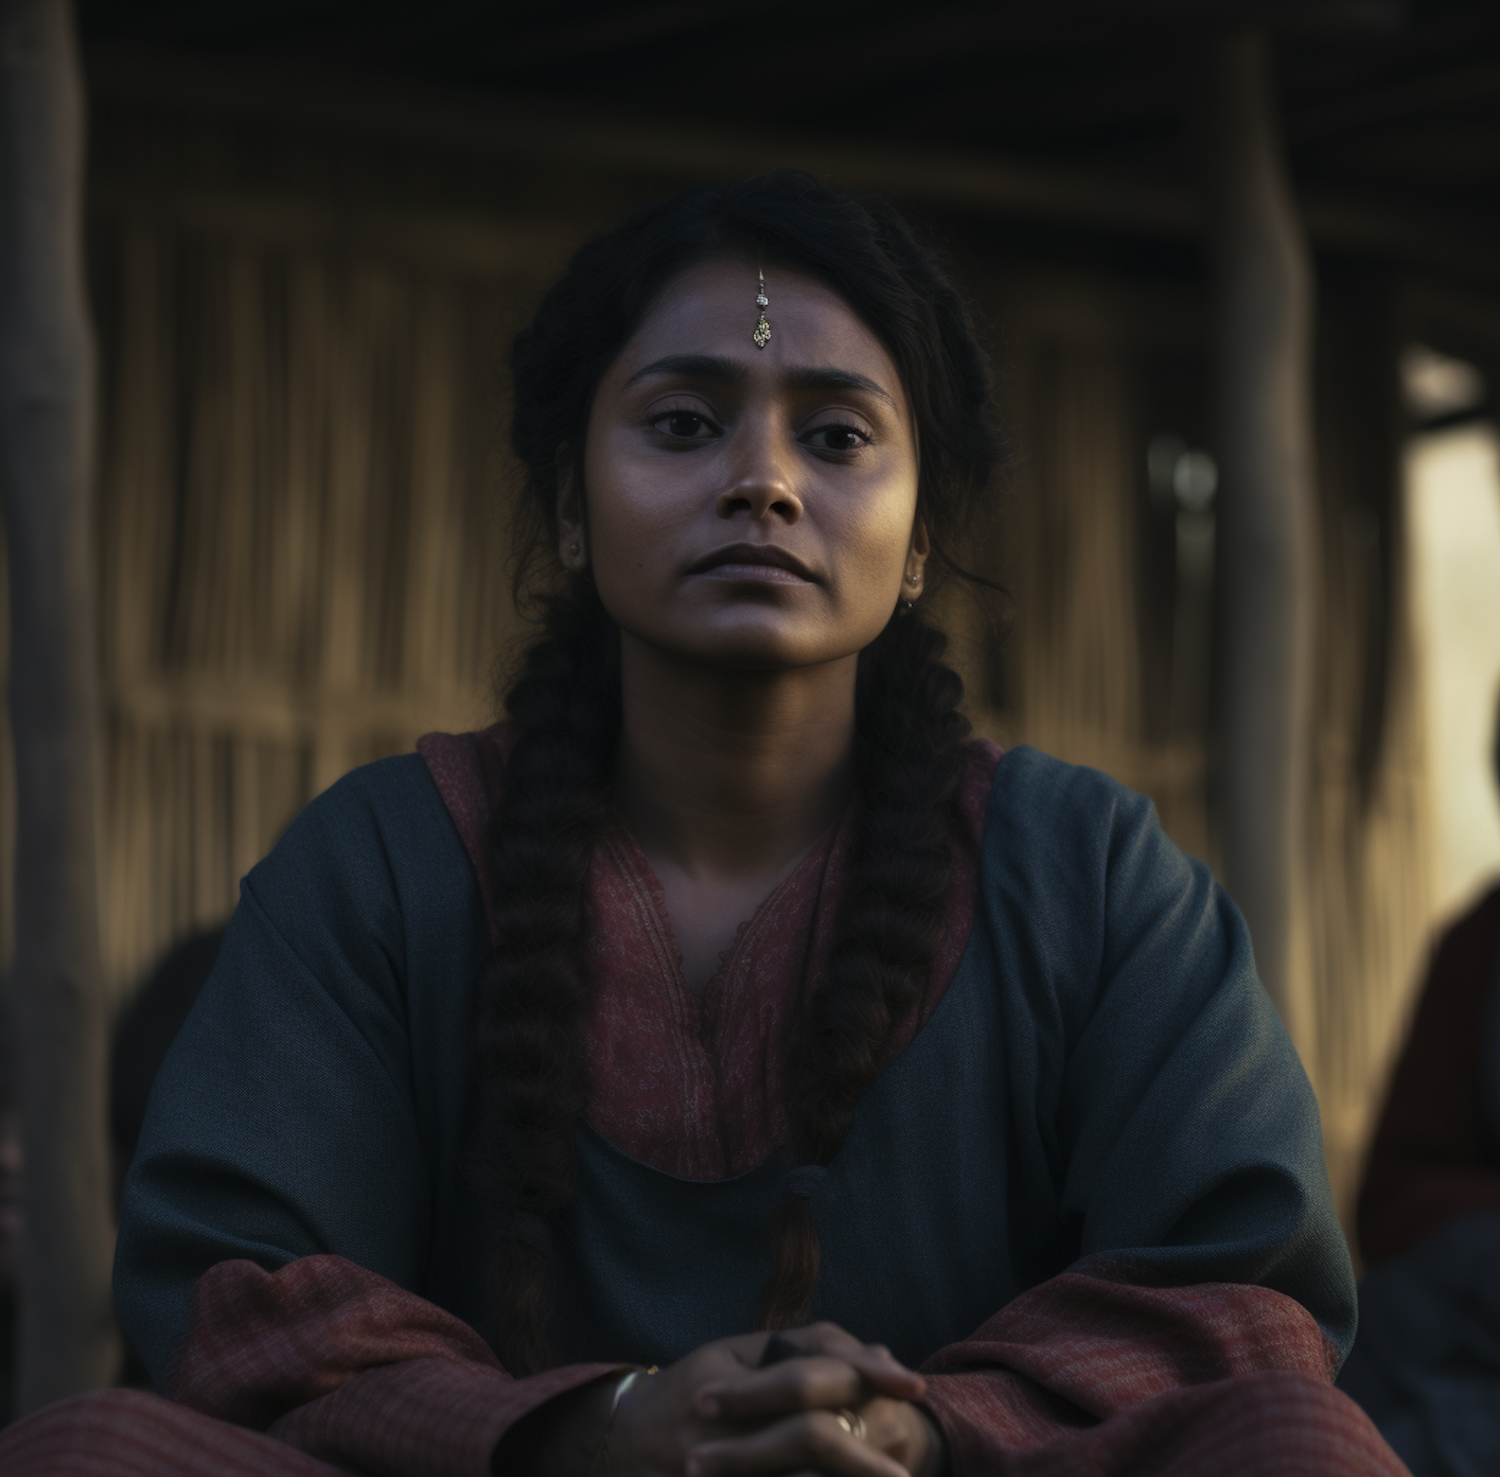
(302, 536)
(302, 541)
(1093, 671)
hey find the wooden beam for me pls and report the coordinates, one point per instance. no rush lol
(1267, 543)
(1160, 208)
(1447, 89)
(623, 26)
(66, 1338)
(468, 241)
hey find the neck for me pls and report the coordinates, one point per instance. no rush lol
(732, 773)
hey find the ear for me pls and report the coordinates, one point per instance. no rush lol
(572, 536)
(913, 577)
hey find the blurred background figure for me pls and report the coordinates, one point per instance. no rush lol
(146, 1032)
(1426, 1363)
(10, 1223)
(142, 1038)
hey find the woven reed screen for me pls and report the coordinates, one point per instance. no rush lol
(1093, 371)
(302, 539)
(303, 560)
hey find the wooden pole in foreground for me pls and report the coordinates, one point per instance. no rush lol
(66, 1331)
(1263, 339)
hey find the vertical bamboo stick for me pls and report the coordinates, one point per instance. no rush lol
(1268, 533)
(66, 1335)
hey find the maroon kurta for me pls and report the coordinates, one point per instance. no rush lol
(693, 1082)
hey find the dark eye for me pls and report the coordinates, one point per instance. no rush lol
(686, 425)
(838, 438)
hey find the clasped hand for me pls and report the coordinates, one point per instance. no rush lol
(716, 1413)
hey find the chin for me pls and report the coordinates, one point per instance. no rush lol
(767, 651)
(753, 645)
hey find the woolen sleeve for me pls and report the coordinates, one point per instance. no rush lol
(282, 1123)
(1089, 1372)
(1181, 1135)
(350, 1368)
(277, 1224)
(1186, 1137)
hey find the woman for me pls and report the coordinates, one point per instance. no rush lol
(727, 986)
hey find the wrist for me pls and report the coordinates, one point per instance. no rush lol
(562, 1437)
(933, 1461)
(615, 1449)
(612, 1447)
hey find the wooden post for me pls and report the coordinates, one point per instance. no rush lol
(1267, 546)
(66, 1335)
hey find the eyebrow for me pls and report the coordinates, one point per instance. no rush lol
(731, 371)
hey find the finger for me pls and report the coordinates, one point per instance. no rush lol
(885, 1373)
(881, 1370)
(816, 1382)
(814, 1440)
(777, 1350)
(808, 1383)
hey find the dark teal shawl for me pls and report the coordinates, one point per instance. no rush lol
(1104, 1077)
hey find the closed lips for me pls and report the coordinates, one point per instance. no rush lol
(767, 556)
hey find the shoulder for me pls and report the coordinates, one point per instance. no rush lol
(1050, 801)
(1077, 841)
(377, 844)
(369, 810)
(1093, 904)
(1045, 807)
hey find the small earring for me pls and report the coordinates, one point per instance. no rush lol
(912, 579)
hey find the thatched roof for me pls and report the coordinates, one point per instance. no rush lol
(1072, 110)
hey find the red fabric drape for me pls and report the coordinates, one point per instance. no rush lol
(323, 1367)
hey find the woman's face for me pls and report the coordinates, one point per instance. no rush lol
(749, 507)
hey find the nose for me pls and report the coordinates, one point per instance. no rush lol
(762, 480)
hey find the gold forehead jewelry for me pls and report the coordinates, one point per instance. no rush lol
(762, 334)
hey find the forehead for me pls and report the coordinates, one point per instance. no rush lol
(710, 309)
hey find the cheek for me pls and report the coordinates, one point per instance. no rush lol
(614, 535)
(636, 515)
(623, 514)
(878, 539)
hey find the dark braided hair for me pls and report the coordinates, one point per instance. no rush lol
(565, 708)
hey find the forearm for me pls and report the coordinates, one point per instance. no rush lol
(348, 1367)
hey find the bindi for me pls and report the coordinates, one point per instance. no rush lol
(762, 334)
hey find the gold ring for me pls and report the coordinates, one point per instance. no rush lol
(852, 1421)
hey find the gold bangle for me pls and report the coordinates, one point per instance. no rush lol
(601, 1460)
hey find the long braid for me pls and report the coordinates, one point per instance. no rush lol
(907, 759)
(532, 989)
(566, 708)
